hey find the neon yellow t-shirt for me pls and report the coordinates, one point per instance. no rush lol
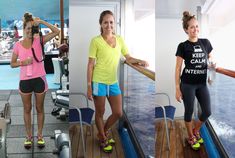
(107, 59)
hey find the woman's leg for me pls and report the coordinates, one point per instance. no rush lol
(188, 92)
(26, 99)
(116, 107)
(99, 113)
(203, 97)
(40, 111)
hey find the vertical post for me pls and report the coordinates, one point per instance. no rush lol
(199, 16)
(121, 84)
(62, 21)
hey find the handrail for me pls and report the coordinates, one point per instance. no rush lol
(149, 73)
(227, 72)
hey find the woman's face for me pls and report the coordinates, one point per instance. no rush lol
(107, 24)
(28, 29)
(193, 29)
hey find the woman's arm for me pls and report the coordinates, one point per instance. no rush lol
(90, 67)
(136, 61)
(15, 63)
(178, 68)
(49, 36)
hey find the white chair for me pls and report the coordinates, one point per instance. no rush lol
(165, 113)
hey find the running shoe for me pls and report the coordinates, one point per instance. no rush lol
(198, 136)
(41, 142)
(105, 146)
(28, 142)
(193, 143)
(111, 141)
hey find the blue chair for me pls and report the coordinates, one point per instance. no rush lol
(166, 112)
(81, 116)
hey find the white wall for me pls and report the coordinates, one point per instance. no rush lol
(169, 33)
(144, 39)
(223, 42)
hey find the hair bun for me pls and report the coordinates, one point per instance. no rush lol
(28, 17)
(186, 14)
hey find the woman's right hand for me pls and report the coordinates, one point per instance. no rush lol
(178, 95)
(89, 93)
(27, 61)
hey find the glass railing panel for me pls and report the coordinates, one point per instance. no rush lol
(139, 107)
(223, 111)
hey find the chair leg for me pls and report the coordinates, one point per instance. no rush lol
(167, 133)
(172, 124)
(83, 141)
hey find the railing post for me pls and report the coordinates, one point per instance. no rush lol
(121, 84)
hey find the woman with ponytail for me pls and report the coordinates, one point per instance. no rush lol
(27, 54)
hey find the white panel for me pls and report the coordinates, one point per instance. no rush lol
(169, 33)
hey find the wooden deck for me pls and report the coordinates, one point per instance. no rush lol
(92, 145)
(179, 148)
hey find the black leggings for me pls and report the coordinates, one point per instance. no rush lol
(189, 91)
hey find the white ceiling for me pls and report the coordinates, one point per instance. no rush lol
(143, 8)
(175, 8)
(165, 8)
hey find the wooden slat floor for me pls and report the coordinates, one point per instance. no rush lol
(92, 144)
(179, 148)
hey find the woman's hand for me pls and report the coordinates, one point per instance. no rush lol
(178, 95)
(27, 61)
(143, 63)
(36, 21)
(89, 93)
(210, 81)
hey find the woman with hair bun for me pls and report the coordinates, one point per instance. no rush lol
(27, 54)
(195, 52)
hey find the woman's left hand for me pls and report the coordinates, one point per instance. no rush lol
(37, 21)
(143, 63)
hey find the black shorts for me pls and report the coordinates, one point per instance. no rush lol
(36, 85)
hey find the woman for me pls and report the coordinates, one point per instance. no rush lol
(32, 74)
(16, 33)
(192, 82)
(104, 56)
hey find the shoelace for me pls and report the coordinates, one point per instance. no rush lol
(192, 140)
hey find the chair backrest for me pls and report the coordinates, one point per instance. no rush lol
(168, 110)
(83, 115)
(165, 110)
(77, 114)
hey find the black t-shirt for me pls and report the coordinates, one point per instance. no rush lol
(195, 55)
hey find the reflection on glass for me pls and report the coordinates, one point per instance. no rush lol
(139, 108)
(222, 119)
